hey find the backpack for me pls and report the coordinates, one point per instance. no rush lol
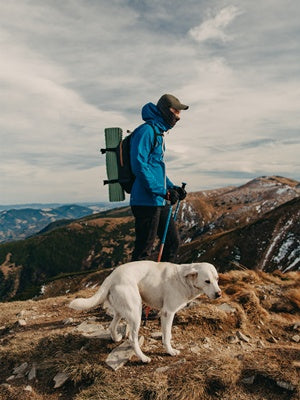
(125, 176)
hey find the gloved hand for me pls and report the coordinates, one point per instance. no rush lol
(172, 195)
(181, 192)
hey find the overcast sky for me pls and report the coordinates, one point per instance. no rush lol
(71, 68)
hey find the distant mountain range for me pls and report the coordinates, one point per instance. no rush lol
(254, 226)
(19, 222)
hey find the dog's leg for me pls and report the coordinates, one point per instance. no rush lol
(127, 302)
(166, 326)
(127, 331)
(116, 337)
(134, 324)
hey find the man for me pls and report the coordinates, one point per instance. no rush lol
(152, 187)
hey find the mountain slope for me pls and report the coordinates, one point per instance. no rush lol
(271, 242)
(243, 346)
(212, 211)
(255, 226)
(80, 246)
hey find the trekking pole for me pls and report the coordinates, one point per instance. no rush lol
(163, 240)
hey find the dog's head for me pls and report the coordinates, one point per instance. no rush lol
(204, 277)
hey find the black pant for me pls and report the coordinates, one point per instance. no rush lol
(150, 222)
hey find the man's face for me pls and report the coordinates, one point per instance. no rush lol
(176, 113)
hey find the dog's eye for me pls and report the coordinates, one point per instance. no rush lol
(207, 281)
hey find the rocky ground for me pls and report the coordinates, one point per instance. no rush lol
(246, 345)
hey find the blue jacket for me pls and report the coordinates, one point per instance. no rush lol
(147, 162)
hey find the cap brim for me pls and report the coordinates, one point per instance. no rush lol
(182, 107)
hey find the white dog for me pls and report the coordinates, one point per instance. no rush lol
(163, 286)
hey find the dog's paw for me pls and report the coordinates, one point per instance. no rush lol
(145, 359)
(173, 352)
(117, 338)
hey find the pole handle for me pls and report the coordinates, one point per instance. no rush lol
(183, 185)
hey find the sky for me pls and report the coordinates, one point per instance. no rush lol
(69, 69)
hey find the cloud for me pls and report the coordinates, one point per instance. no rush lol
(214, 28)
(70, 69)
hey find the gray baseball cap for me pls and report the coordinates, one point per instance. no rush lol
(168, 100)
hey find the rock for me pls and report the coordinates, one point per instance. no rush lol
(20, 370)
(196, 350)
(28, 388)
(21, 314)
(60, 379)
(151, 344)
(296, 327)
(93, 330)
(271, 339)
(260, 344)
(32, 373)
(249, 380)
(22, 322)
(10, 378)
(232, 339)
(162, 369)
(121, 354)
(285, 385)
(243, 337)
(156, 335)
(5, 385)
(296, 338)
(68, 321)
(226, 307)
(167, 367)
(206, 342)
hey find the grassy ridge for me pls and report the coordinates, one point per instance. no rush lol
(61, 251)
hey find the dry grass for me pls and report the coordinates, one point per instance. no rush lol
(293, 295)
(215, 371)
(112, 223)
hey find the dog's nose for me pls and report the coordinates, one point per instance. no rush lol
(218, 294)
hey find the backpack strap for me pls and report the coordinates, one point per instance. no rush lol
(103, 151)
(155, 135)
(107, 181)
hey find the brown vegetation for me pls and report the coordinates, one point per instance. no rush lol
(244, 346)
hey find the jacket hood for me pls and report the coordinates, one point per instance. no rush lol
(152, 115)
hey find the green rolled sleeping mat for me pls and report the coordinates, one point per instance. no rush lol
(113, 136)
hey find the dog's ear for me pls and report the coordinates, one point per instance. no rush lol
(191, 273)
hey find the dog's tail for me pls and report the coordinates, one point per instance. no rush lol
(98, 298)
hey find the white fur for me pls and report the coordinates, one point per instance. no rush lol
(163, 286)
